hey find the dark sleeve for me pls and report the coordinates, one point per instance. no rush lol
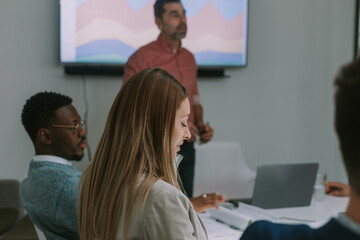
(253, 231)
(274, 231)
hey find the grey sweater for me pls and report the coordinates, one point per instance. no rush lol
(49, 196)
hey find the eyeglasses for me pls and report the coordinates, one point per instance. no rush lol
(72, 127)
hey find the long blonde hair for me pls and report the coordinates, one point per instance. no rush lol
(136, 143)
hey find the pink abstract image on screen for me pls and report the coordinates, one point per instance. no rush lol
(111, 30)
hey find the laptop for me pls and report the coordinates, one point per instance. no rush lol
(283, 185)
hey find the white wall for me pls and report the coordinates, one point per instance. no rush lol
(279, 108)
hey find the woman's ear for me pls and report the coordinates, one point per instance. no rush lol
(44, 136)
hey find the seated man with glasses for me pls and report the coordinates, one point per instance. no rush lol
(49, 192)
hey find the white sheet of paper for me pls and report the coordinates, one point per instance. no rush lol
(217, 230)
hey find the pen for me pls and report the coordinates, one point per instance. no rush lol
(202, 130)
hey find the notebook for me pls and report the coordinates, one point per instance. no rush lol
(283, 185)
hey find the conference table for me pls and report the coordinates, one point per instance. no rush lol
(315, 215)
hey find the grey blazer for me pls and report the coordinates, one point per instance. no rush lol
(167, 215)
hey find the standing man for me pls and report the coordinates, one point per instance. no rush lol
(50, 190)
(166, 53)
(347, 124)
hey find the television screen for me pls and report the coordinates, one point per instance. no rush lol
(109, 31)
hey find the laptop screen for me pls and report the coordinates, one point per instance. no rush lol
(284, 185)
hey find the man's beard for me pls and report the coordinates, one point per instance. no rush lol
(77, 158)
(178, 36)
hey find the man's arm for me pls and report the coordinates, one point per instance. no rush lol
(205, 132)
(66, 206)
(134, 64)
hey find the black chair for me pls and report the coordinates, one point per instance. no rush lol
(13, 223)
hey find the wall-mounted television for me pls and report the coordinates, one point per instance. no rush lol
(107, 32)
(357, 30)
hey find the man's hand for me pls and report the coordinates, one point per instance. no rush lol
(206, 201)
(206, 132)
(337, 189)
(194, 132)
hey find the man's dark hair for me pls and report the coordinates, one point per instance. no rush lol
(159, 6)
(39, 111)
(347, 120)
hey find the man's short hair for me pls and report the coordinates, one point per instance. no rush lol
(159, 6)
(39, 111)
(347, 120)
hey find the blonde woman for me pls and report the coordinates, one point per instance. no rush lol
(130, 189)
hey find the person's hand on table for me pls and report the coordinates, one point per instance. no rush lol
(206, 201)
(337, 189)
